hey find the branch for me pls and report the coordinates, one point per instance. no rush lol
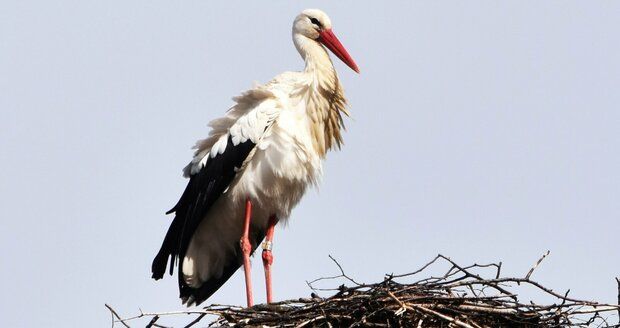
(114, 314)
(529, 274)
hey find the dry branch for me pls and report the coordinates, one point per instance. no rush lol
(462, 297)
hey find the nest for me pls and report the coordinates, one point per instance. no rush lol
(461, 297)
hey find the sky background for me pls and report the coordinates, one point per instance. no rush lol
(485, 131)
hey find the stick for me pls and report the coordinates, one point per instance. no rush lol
(529, 274)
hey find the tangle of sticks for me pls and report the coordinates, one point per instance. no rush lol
(461, 297)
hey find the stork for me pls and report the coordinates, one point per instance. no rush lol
(254, 167)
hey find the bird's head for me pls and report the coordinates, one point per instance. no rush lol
(314, 24)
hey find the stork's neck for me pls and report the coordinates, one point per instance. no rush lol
(318, 63)
(324, 97)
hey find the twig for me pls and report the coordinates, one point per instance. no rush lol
(117, 316)
(342, 272)
(442, 316)
(196, 320)
(307, 322)
(152, 322)
(529, 274)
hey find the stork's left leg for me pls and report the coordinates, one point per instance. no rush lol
(246, 249)
(268, 256)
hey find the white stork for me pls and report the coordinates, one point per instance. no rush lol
(255, 166)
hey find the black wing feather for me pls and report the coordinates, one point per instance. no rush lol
(202, 190)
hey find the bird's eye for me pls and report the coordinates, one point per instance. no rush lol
(315, 22)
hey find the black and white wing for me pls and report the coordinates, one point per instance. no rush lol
(216, 162)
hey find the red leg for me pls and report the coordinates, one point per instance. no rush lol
(268, 256)
(246, 248)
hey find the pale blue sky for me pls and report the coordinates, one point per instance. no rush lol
(487, 131)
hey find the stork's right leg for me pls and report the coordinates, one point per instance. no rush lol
(246, 249)
(268, 256)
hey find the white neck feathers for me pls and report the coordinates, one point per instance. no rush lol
(325, 100)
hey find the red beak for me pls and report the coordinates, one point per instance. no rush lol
(329, 39)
